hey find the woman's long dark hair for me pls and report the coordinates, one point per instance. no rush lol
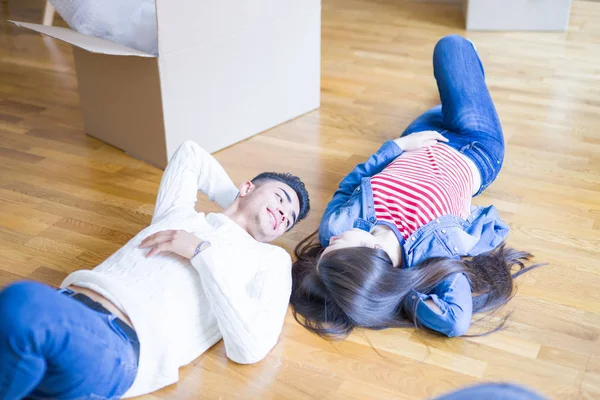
(358, 287)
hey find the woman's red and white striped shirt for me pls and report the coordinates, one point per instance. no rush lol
(422, 185)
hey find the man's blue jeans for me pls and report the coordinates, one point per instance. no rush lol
(54, 347)
(467, 116)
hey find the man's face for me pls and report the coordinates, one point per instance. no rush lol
(271, 208)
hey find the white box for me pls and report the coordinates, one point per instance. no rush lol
(517, 15)
(226, 70)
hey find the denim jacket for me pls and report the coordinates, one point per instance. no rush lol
(448, 236)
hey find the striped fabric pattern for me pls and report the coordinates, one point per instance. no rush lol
(422, 185)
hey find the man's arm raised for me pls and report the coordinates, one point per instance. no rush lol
(192, 169)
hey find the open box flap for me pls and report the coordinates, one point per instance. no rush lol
(89, 43)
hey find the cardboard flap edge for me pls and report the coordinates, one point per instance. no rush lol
(89, 43)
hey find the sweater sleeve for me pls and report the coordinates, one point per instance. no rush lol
(454, 299)
(249, 296)
(192, 169)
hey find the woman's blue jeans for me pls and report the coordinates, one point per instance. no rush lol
(467, 116)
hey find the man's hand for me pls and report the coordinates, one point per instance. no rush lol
(419, 139)
(179, 242)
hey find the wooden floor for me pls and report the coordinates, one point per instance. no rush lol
(67, 201)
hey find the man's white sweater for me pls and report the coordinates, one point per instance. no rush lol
(238, 289)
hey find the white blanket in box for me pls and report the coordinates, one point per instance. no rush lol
(129, 22)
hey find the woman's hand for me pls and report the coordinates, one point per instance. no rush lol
(179, 242)
(419, 139)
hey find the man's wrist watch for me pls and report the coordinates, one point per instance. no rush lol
(203, 245)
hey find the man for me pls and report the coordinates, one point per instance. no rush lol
(173, 291)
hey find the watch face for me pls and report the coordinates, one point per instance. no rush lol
(205, 245)
(201, 247)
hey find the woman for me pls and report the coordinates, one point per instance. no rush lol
(400, 243)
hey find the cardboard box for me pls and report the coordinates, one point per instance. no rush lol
(226, 70)
(517, 15)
